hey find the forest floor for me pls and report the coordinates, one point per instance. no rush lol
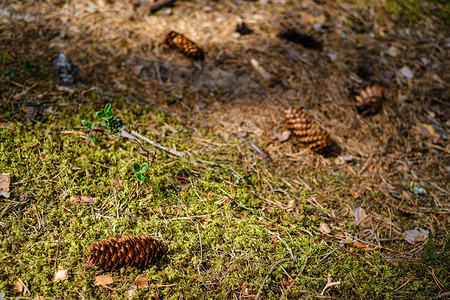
(242, 209)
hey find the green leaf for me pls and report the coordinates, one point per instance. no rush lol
(119, 134)
(109, 117)
(100, 113)
(144, 168)
(93, 138)
(87, 123)
(136, 167)
(108, 108)
(104, 124)
(140, 176)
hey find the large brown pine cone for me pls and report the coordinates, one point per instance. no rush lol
(369, 101)
(307, 130)
(184, 45)
(127, 251)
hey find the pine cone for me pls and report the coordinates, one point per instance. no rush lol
(127, 251)
(307, 130)
(184, 45)
(369, 101)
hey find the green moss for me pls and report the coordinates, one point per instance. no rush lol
(239, 243)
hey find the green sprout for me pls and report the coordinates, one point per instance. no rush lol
(140, 170)
(113, 124)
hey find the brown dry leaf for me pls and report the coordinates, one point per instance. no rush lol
(274, 238)
(287, 283)
(18, 285)
(141, 281)
(324, 228)
(5, 180)
(306, 18)
(137, 69)
(60, 275)
(428, 130)
(284, 136)
(63, 196)
(360, 215)
(413, 236)
(244, 289)
(103, 280)
(291, 205)
(362, 246)
(81, 199)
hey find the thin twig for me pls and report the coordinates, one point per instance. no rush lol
(329, 284)
(158, 75)
(258, 150)
(153, 143)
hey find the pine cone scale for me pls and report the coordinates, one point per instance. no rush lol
(370, 100)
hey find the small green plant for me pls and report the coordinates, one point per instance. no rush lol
(28, 65)
(140, 171)
(93, 135)
(113, 124)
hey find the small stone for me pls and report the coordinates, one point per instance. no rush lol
(393, 51)
(332, 56)
(406, 72)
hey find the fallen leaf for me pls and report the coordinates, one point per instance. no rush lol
(141, 281)
(435, 77)
(360, 215)
(244, 289)
(81, 199)
(274, 238)
(103, 280)
(413, 236)
(362, 246)
(284, 136)
(5, 180)
(346, 158)
(291, 205)
(19, 286)
(324, 228)
(60, 275)
(287, 283)
(306, 18)
(137, 69)
(63, 196)
(428, 130)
